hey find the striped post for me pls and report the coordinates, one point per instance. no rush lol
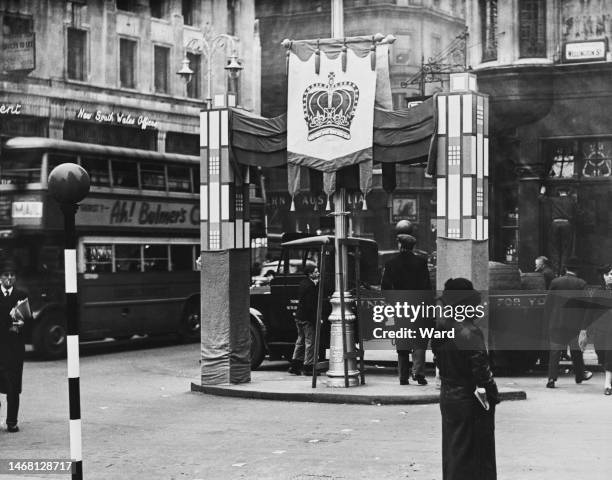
(72, 320)
(69, 184)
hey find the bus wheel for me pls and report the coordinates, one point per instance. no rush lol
(190, 323)
(49, 336)
(258, 350)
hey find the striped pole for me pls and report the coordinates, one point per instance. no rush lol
(72, 320)
(69, 184)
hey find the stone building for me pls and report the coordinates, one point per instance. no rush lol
(104, 71)
(546, 65)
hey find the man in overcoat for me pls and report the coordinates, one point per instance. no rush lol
(12, 346)
(565, 322)
(407, 271)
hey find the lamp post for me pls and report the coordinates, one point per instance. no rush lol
(208, 46)
(69, 184)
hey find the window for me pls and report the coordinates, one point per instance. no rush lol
(77, 51)
(179, 179)
(188, 12)
(103, 257)
(403, 49)
(532, 28)
(127, 258)
(15, 25)
(127, 63)
(98, 258)
(125, 174)
(153, 176)
(158, 8)
(436, 45)
(488, 29)
(162, 55)
(193, 87)
(155, 258)
(98, 171)
(126, 5)
(184, 143)
(181, 258)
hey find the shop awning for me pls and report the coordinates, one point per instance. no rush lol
(399, 136)
(66, 146)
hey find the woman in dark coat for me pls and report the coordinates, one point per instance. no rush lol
(12, 347)
(468, 429)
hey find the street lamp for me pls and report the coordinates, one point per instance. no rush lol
(208, 47)
(69, 184)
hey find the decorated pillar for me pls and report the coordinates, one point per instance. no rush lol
(462, 177)
(225, 256)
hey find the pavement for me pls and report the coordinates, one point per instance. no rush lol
(142, 421)
(381, 388)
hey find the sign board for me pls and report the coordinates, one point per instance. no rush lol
(27, 210)
(585, 51)
(140, 214)
(117, 118)
(19, 52)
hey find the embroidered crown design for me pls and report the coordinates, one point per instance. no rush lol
(329, 108)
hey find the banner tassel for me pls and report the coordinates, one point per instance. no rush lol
(317, 59)
(292, 209)
(343, 56)
(328, 206)
(365, 204)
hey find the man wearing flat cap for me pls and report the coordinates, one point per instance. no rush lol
(407, 271)
(565, 323)
(12, 346)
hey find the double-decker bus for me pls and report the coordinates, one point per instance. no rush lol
(138, 239)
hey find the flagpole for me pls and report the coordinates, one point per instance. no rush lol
(336, 372)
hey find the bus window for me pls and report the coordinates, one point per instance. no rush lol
(98, 171)
(181, 257)
(127, 258)
(98, 258)
(152, 176)
(155, 258)
(179, 179)
(19, 171)
(125, 174)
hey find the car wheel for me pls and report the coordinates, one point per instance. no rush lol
(258, 349)
(49, 336)
(190, 323)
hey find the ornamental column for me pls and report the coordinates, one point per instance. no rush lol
(462, 176)
(225, 276)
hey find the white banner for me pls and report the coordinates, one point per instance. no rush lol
(330, 115)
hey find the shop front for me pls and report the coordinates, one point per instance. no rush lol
(552, 165)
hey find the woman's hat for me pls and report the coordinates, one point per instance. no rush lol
(459, 291)
(604, 268)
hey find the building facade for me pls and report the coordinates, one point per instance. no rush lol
(425, 30)
(104, 71)
(546, 65)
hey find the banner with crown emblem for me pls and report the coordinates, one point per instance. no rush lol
(330, 108)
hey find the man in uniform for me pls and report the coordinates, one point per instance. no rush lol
(407, 271)
(12, 347)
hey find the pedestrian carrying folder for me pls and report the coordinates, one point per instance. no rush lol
(481, 395)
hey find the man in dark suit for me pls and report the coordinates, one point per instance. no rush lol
(542, 265)
(406, 271)
(565, 323)
(303, 359)
(12, 347)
